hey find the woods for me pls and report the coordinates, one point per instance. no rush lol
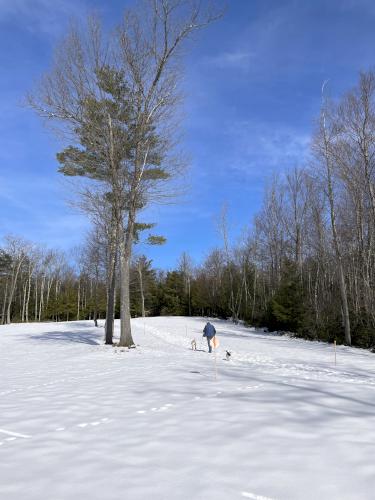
(38, 284)
(305, 266)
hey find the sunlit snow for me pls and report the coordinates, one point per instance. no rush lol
(279, 421)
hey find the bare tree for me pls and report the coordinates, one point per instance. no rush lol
(323, 146)
(16, 249)
(142, 265)
(186, 268)
(297, 190)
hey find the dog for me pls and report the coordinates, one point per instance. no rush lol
(228, 355)
(194, 345)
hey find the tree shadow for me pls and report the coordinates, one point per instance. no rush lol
(85, 337)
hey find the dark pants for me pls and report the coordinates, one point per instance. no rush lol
(209, 345)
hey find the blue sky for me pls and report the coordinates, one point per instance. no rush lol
(252, 89)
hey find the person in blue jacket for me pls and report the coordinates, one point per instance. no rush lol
(209, 332)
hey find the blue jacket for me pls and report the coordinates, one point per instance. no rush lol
(209, 331)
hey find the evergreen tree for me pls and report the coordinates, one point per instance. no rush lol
(286, 310)
(173, 301)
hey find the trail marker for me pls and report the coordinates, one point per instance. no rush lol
(214, 342)
(334, 343)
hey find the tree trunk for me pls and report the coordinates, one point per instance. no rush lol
(254, 294)
(111, 293)
(13, 287)
(5, 301)
(189, 295)
(41, 300)
(36, 300)
(139, 268)
(126, 339)
(24, 293)
(28, 294)
(78, 297)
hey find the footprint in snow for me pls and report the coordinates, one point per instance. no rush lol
(94, 423)
(82, 425)
(244, 388)
(155, 409)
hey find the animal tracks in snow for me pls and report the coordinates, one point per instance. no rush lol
(156, 409)
(13, 436)
(195, 398)
(82, 425)
(61, 380)
(247, 387)
(244, 388)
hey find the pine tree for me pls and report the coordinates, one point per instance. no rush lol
(286, 310)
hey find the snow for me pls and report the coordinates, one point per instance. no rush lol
(80, 420)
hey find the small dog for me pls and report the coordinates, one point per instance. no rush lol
(228, 355)
(194, 345)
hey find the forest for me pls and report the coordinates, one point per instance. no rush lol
(305, 264)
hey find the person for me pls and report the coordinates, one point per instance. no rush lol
(209, 332)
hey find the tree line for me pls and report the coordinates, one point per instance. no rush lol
(307, 262)
(307, 265)
(38, 284)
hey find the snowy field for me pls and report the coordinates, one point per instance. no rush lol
(79, 420)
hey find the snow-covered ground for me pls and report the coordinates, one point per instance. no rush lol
(79, 420)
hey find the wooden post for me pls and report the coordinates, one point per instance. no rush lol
(334, 342)
(215, 344)
(215, 363)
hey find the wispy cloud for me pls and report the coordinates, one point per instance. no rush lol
(42, 16)
(34, 208)
(230, 60)
(259, 150)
